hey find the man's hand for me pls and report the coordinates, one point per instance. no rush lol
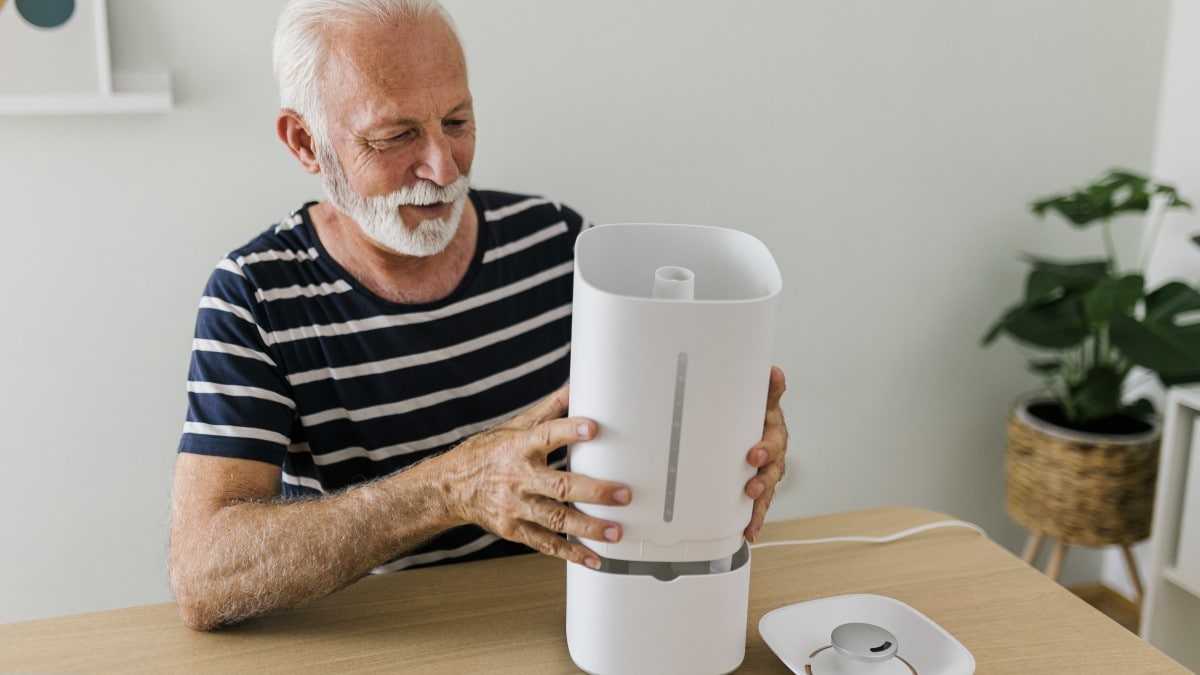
(768, 456)
(500, 481)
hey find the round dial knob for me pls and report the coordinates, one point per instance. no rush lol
(864, 642)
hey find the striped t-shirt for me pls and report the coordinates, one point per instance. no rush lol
(295, 363)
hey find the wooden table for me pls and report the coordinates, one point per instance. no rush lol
(507, 615)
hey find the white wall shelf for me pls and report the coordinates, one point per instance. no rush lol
(1172, 607)
(132, 93)
(94, 88)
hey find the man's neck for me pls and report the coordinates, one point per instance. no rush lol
(392, 276)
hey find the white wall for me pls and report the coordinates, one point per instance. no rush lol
(886, 151)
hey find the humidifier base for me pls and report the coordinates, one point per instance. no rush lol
(637, 623)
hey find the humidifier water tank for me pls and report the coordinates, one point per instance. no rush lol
(671, 354)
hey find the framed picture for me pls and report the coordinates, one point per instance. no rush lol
(54, 47)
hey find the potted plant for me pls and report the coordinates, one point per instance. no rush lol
(1081, 459)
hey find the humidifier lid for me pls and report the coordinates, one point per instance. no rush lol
(728, 265)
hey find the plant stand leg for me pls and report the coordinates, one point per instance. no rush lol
(1057, 555)
(1134, 577)
(1033, 546)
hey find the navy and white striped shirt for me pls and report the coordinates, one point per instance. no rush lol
(295, 363)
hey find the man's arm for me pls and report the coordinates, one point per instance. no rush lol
(238, 552)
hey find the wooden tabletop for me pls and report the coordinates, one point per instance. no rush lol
(508, 615)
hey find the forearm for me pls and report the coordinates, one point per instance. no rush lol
(250, 557)
(235, 554)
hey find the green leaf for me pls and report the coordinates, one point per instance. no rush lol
(993, 332)
(1040, 285)
(1098, 394)
(1078, 209)
(1046, 368)
(1127, 177)
(1074, 276)
(1170, 300)
(1111, 297)
(1158, 342)
(1118, 191)
(1057, 324)
(1052, 314)
(1142, 408)
(1173, 198)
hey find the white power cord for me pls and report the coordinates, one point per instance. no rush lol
(876, 540)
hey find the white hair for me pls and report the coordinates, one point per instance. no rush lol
(301, 44)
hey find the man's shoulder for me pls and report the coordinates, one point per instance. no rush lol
(280, 256)
(500, 205)
(288, 239)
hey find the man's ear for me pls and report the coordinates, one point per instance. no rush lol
(294, 133)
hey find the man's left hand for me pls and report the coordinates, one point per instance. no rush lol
(767, 456)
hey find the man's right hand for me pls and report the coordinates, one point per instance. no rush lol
(499, 479)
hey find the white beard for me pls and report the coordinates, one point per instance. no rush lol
(379, 217)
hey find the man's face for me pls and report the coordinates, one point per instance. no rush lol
(400, 133)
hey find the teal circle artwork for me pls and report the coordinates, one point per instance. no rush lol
(46, 13)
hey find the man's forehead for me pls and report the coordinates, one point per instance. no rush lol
(403, 48)
(391, 72)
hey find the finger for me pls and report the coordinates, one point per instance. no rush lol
(765, 481)
(552, 407)
(558, 517)
(564, 486)
(761, 489)
(543, 540)
(759, 516)
(546, 437)
(773, 445)
(776, 387)
(772, 448)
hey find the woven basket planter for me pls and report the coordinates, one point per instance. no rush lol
(1078, 488)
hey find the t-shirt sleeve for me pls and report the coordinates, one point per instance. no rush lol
(573, 220)
(239, 400)
(575, 223)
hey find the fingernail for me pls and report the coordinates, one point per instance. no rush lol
(621, 496)
(612, 534)
(757, 490)
(760, 457)
(592, 562)
(583, 430)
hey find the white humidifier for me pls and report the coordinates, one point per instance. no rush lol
(670, 355)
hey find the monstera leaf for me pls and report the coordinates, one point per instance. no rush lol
(1159, 341)
(1117, 192)
(1065, 302)
(1058, 323)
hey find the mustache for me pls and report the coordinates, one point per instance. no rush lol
(426, 192)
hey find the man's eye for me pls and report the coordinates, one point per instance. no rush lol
(455, 124)
(382, 143)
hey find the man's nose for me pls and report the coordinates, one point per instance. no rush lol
(436, 161)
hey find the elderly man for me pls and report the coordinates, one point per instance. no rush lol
(377, 382)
